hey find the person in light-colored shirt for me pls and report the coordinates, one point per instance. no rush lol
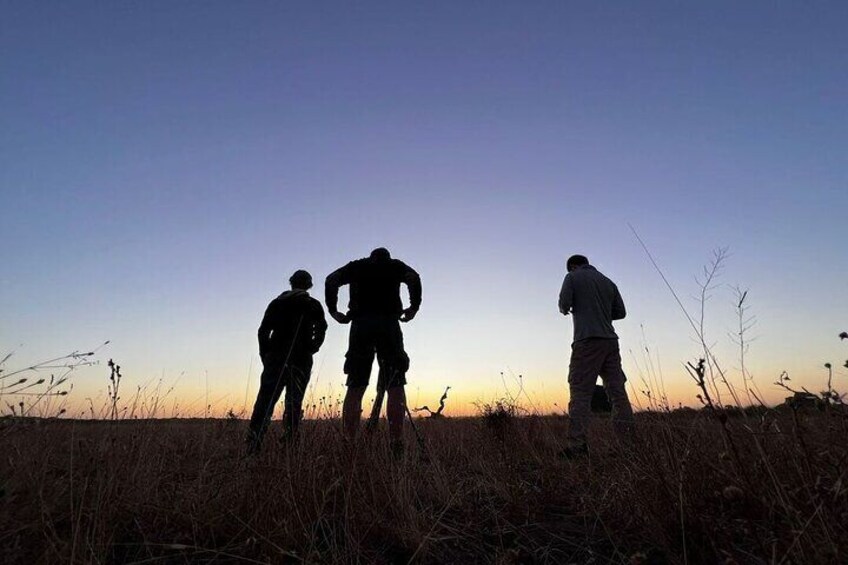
(594, 302)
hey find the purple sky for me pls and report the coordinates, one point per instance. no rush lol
(164, 168)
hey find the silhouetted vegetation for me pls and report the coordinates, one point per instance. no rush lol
(726, 483)
(438, 413)
(177, 490)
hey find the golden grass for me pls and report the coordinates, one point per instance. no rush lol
(176, 491)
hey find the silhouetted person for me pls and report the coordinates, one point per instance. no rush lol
(292, 330)
(594, 302)
(374, 311)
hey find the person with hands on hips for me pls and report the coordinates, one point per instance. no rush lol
(374, 312)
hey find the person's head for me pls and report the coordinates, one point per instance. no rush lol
(301, 280)
(380, 254)
(575, 262)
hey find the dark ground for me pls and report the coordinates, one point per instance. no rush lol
(768, 488)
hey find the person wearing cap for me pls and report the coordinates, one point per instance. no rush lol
(594, 302)
(374, 312)
(291, 332)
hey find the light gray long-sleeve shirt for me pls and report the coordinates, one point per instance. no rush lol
(594, 302)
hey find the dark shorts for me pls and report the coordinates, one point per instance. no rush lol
(380, 336)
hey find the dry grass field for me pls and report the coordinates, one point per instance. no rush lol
(768, 486)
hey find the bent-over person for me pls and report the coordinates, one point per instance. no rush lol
(292, 330)
(594, 302)
(374, 312)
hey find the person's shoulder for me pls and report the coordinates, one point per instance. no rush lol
(400, 266)
(356, 265)
(274, 307)
(315, 304)
(604, 278)
(350, 265)
(599, 274)
(588, 273)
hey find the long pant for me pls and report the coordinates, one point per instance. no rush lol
(590, 358)
(276, 376)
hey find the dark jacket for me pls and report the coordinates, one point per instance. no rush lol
(374, 287)
(293, 327)
(594, 302)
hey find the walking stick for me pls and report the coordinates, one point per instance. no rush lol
(257, 435)
(377, 407)
(374, 418)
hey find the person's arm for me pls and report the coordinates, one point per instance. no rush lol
(566, 296)
(413, 283)
(335, 280)
(319, 327)
(265, 331)
(618, 310)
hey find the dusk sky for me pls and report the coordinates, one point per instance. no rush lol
(166, 166)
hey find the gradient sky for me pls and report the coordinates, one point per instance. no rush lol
(165, 166)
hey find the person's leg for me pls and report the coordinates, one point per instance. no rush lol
(357, 367)
(614, 379)
(582, 374)
(298, 378)
(270, 389)
(394, 363)
(352, 409)
(396, 412)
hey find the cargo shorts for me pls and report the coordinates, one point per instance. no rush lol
(378, 336)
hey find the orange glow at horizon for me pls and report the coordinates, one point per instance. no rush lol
(325, 401)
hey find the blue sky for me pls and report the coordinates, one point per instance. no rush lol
(164, 168)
